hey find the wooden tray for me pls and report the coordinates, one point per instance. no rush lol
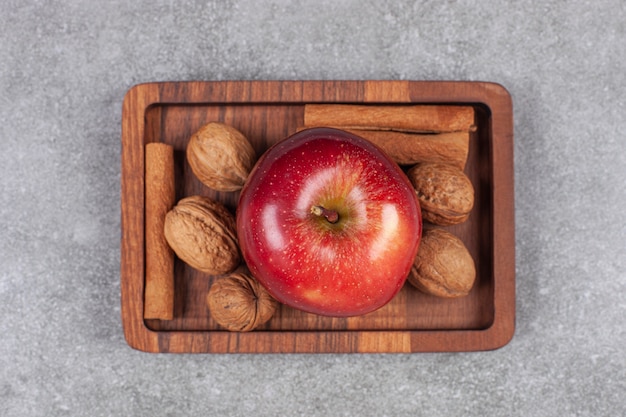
(266, 112)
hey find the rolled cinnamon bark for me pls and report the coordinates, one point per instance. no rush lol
(403, 118)
(160, 198)
(416, 148)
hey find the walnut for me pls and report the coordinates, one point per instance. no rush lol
(239, 303)
(443, 265)
(220, 156)
(445, 193)
(202, 233)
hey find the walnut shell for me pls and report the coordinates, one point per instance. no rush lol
(202, 233)
(220, 156)
(239, 303)
(445, 193)
(443, 265)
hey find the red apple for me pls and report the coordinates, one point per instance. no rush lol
(328, 224)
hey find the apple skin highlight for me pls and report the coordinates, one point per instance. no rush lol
(328, 224)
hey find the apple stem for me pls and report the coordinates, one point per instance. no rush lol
(330, 215)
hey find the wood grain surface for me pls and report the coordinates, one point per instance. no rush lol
(266, 112)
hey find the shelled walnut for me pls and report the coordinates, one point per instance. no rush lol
(445, 193)
(203, 234)
(443, 265)
(220, 156)
(239, 303)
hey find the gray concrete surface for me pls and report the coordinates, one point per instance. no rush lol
(64, 68)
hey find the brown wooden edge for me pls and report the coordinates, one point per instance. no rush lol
(140, 97)
(135, 103)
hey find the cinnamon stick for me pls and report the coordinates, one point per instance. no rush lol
(414, 148)
(160, 198)
(403, 118)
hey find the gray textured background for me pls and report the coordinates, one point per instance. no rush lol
(64, 68)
